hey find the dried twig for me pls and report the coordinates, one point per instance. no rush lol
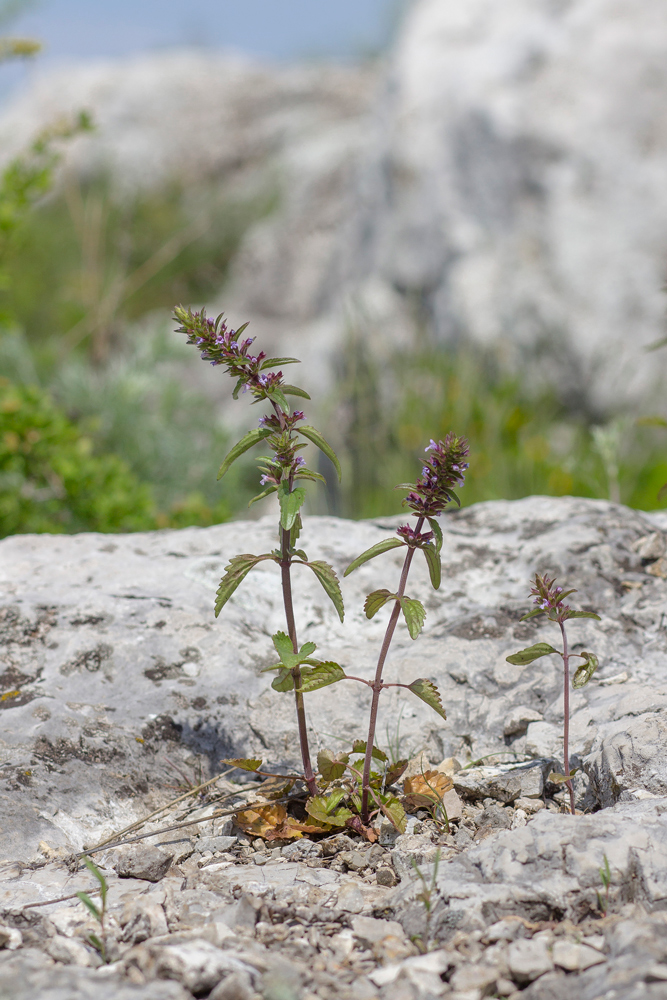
(169, 805)
(180, 826)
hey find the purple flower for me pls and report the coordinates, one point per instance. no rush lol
(549, 598)
(415, 539)
(443, 470)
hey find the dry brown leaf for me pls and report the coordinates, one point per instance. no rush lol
(276, 786)
(260, 821)
(425, 790)
(272, 822)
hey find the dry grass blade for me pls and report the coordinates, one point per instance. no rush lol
(156, 812)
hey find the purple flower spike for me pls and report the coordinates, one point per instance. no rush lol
(442, 471)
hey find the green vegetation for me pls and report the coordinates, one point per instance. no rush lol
(525, 441)
(90, 260)
(123, 435)
(50, 480)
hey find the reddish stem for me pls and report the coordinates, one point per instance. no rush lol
(566, 713)
(377, 683)
(285, 572)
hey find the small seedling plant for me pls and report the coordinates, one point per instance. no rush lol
(550, 601)
(349, 789)
(99, 912)
(605, 878)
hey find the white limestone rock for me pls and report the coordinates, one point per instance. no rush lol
(96, 632)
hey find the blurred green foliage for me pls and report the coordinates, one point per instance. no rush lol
(91, 259)
(523, 441)
(104, 424)
(50, 480)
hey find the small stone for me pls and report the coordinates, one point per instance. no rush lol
(355, 860)
(143, 861)
(215, 844)
(69, 951)
(529, 959)
(386, 876)
(450, 766)
(529, 806)
(237, 986)
(10, 937)
(505, 987)
(520, 819)
(575, 957)
(375, 855)
(370, 931)
(417, 765)
(453, 805)
(463, 837)
(413, 849)
(350, 898)
(503, 930)
(334, 845)
(650, 546)
(473, 977)
(496, 817)
(519, 719)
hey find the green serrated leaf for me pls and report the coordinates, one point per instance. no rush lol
(237, 388)
(260, 496)
(300, 553)
(359, 746)
(312, 679)
(294, 390)
(584, 614)
(88, 903)
(396, 770)
(323, 808)
(290, 504)
(414, 613)
(532, 614)
(531, 653)
(375, 550)
(275, 362)
(236, 571)
(437, 531)
(284, 681)
(244, 763)
(396, 814)
(295, 531)
(428, 692)
(250, 439)
(330, 766)
(327, 577)
(285, 649)
(316, 438)
(377, 600)
(278, 397)
(434, 565)
(315, 477)
(585, 670)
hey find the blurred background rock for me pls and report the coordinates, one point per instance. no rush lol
(455, 214)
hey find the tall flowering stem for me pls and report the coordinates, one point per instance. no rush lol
(549, 600)
(281, 471)
(444, 469)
